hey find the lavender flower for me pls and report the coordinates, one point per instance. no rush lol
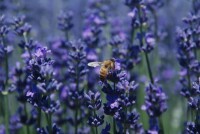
(155, 105)
(20, 26)
(155, 101)
(191, 128)
(93, 100)
(119, 99)
(94, 104)
(188, 45)
(65, 21)
(55, 130)
(41, 72)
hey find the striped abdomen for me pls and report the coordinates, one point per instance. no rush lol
(103, 73)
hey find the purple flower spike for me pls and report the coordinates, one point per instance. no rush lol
(155, 101)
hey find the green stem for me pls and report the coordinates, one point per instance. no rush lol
(188, 71)
(141, 44)
(132, 35)
(96, 130)
(6, 101)
(6, 69)
(77, 77)
(26, 114)
(124, 128)
(149, 68)
(26, 42)
(39, 117)
(76, 126)
(49, 121)
(6, 113)
(161, 125)
(114, 126)
(77, 89)
(189, 80)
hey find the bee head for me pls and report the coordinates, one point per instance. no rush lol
(113, 59)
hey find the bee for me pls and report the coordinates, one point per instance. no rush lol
(105, 67)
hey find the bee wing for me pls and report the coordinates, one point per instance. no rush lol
(94, 64)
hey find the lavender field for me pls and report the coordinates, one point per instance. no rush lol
(99, 66)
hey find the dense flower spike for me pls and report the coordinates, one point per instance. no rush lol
(41, 73)
(155, 101)
(65, 21)
(155, 105)
(188, 47)
(20, 26)
(144, 29)
(191, 128)
(120, 98)
(93, 102)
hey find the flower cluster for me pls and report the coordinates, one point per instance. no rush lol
(94, 104)
(155, 101)
(120, 101)
(155, 105)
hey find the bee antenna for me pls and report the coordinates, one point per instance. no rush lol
(113, 59)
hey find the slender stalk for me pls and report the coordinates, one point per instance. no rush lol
(26, 114)
(189, 115)
(77, 89)
(77, 77)
(26, 42)
(188, 71)
(114, 85)
(125, 127)
(49, 121)
(149, 68)
(114, 126)
(75, 117)
(39, 117)
(161, 125)
(6, 113)
(6, 100)
(189, 80)
(141, 44)
(96, 129)
(146, 55)
(132, 35)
